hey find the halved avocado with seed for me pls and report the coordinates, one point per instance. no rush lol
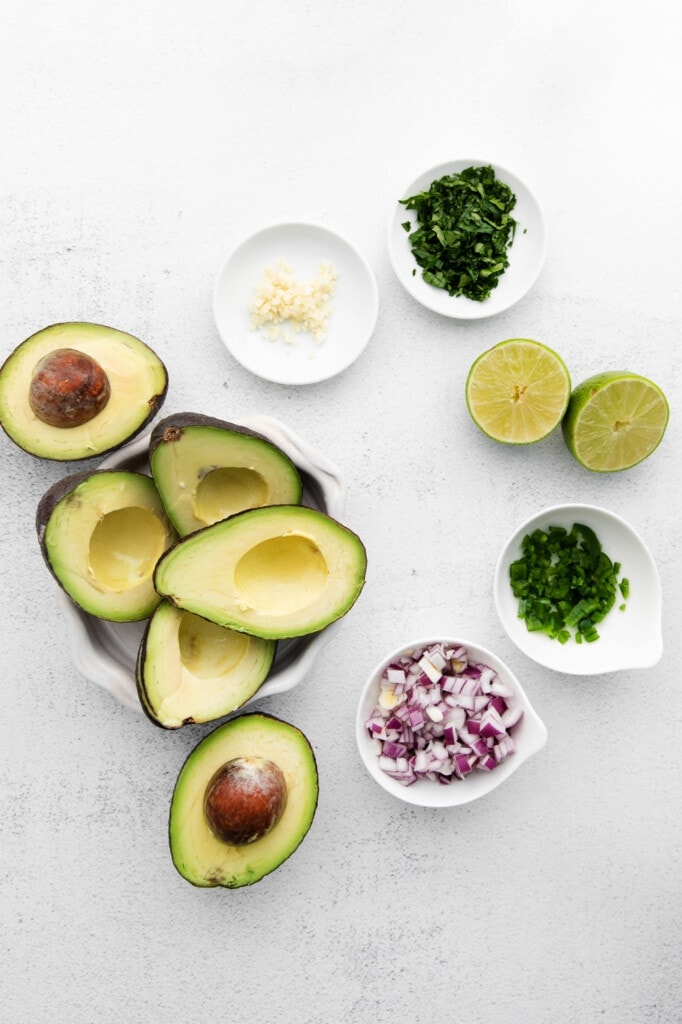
(74, 390)
(280, 571)
(192, 670)
(207, 469)
(243, 802)
(101, 535)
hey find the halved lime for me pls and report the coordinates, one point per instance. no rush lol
(614, 420)
(518, 391)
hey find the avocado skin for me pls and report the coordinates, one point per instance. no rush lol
(154, 402)
(247, 877)
(142, 696)
(178, 421)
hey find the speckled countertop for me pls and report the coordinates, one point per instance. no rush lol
(140, 143)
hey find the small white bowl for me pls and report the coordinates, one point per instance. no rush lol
(526, 254)
(627, 639)
(530, 736)
(303, 247)
(106, 652)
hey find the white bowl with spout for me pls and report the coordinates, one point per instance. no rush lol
(629, 637)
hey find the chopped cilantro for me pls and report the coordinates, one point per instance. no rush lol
(464, 229)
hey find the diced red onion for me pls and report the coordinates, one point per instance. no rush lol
(463, 764)
(511, 717)
(499, 703)
(440, 717)
(487, 763)
(393, 749)
(491, 724)
(486, 678)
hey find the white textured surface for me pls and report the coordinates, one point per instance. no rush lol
(139, 143)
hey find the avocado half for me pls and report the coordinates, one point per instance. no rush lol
(275, 572)
(137, 379)
(206, 469)
(190, 670)
(101, 534)
(198, 854)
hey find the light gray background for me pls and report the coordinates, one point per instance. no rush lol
(139, 142)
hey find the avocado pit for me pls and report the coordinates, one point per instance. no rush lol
(245, 799)
(68, 388)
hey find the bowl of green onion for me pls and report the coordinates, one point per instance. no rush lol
(577, 590)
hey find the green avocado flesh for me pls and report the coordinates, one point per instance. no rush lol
(202, 858)
(101, 535)
(137, 380)
(192, 670)
(280, 571)
(207, 469)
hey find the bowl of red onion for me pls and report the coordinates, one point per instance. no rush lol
(442, 722)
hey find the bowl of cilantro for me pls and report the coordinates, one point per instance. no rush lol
(577, 590)
(467, 239)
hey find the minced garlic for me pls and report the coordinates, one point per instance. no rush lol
(279, 297)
